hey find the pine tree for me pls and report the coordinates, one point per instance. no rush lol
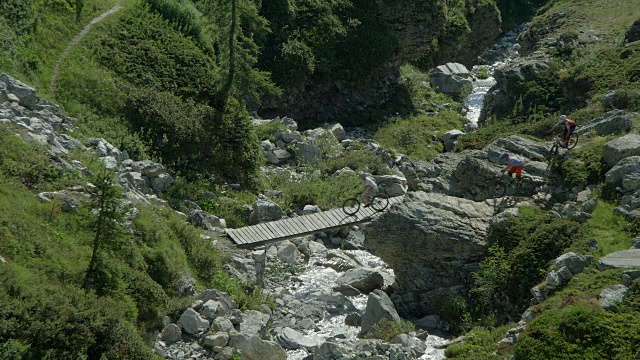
(107, 220)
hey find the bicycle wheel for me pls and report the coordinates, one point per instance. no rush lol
(501, 187)
(379, 202)
(553, 151)
(351, 206)
(573, 141)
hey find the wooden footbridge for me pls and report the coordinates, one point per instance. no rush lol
(303, 225)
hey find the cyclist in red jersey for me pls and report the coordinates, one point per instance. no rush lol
(569, 128)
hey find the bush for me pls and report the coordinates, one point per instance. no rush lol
(518, 258)
(185, 17)
(386, 329)
(357, 160)
(265, 131)
(479, 344)
(413, 136)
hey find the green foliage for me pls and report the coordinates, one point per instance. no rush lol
(581, 331)
(423, 97)
(106, 200)
(185, 17)
(265, 131)
(483, 73)
(324, 191)
(43, 320)
(386, 329)
(534, 130)
(479, 344)
(585, 164)
(518, 259)
(413, 136)
(28, 162)
(453, 308)
(141, 48)
(356, 160)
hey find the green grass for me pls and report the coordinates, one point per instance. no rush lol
(610, 231)
(413, 136)
(479, 344)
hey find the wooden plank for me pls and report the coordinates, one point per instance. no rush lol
(284, 226)
(263, 231)
(255, 236)
(268, 231)
(316, 219)
(238, 236)
(297, 226)
(323, 221)
(232, 236)
(335, 216)
(275, 230)
(328, 215)
(306, 223)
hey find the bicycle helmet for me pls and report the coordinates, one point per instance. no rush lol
(504, 155)
(362, 175)
(563, 117)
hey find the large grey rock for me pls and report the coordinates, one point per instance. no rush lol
(254, 323)
(292, 340)
(203, 219)
(288, 252)
(620, 260)
(192, 323)
(620, 148)
(624, 172)
(226, 305)
(330, 350)
(364, 280)
(379, 306)
(450, 78)
(629, 276)
(287, 136)
(209, 309)
(69, 201)
(26, 94)
(264, 210)
(254, 348)
(613, 122)
(161, 183)
(306, 152)
(574, 262)
(611, 297)
(450, 139)
(393, 185)
(338, 131)
(222, 324)
(434, 243)
(553, 279)
(633, 32)
(171, 333)
(219, 339)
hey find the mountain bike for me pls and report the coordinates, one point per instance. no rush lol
(378, 202)
(560, 142)
(507, 181)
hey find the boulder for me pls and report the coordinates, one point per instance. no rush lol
(254, 348)
(623, 173)
(310, 209)
(629, 276)
(613, 122)
(574, 262)
(338, 131)
(287, 136)
(26, 94)
(620, 260)
(306, 152)
(209, 309)
(620, 148)
(219, 339)
(393, 185)
(222, 324)
(612, 296)
(379, 306)
(450, 139)
(450, 78)
(434, 243)
(171, 333)
(161, 183)
(204, 220)
(633, 32)
(330, 350)
(254, 323)
(288, 252)
(619, 99)
(264, 210)
(365, 280)
(192, 323)
(226, 305)
(291, 339)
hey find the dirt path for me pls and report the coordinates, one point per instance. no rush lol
(76, 39)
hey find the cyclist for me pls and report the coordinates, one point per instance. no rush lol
(370, 188)
(569, 127)
(514, 165)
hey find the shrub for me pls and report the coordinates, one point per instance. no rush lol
(265, 131)
(479, 344)
(413, 136)
(386, 329)
(357, 160)
(518, 259)
(185, 17)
